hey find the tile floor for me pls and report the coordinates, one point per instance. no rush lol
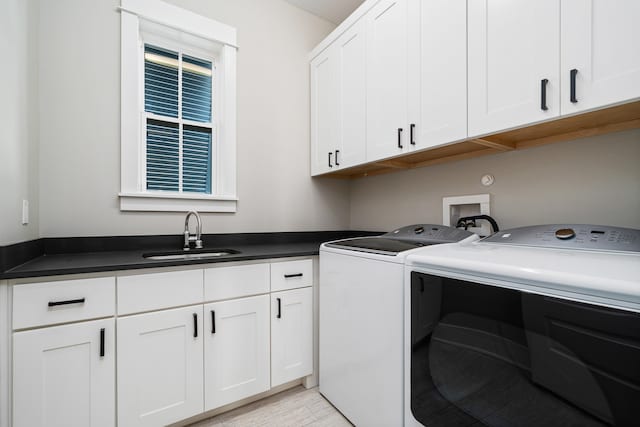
(292, 408)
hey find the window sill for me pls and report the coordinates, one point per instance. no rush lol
(159, 202)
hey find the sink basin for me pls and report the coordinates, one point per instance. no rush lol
(199, 254)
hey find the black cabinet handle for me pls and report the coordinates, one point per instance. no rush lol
(67, 302)
(330, 165)
(213, 321)
(337, 151)
(573, 74)
(102, 342)
(195, 325)
(279, 308)
(288, 276)
(412, 128)
(399, 137)
(543, 94)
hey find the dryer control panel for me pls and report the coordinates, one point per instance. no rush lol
(571, 236)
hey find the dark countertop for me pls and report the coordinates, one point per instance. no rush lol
(101, 254)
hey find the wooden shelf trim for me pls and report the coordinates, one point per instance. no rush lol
(600, 122)
(502, 146)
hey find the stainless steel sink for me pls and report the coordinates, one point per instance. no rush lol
(201, 254)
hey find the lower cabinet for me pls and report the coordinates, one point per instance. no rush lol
(291, 337)
(65, 375)
(160, 367)
(254, 333)
(236, 350)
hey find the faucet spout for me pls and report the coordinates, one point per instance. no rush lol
(188, 238)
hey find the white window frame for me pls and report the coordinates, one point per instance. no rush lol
(164, 25)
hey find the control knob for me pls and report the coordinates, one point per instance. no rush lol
(565, 234)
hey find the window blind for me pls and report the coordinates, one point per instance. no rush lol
(162, 156)
(196, 160)
(178, 155)
(196, 89)
(160, 81)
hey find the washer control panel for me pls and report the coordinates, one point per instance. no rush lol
(571, 236)
(429, 232)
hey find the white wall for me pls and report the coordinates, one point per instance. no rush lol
(80, 126)
(593, 180)
(18, 122)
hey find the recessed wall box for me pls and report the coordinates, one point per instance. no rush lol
(454, 208)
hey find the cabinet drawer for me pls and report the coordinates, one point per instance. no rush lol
(291, 274)
(147, 292)
(48, 303)
(237, 281)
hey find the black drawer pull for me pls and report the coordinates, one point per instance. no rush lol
(412, 128)
(543, 94)
(399, 137)
(289, 276)
(336, 158)
(213, 322)
(573, 74)
(279, 315)
(195, 325)
(330, 165)
(102, 342)
(67, 302)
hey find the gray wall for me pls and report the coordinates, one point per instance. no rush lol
(18, 121)
(80, 125)
(60, 144)
(592, 180)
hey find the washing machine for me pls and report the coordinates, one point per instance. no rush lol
(362, 317)
(534, 326)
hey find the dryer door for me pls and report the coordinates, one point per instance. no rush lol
(485, 355)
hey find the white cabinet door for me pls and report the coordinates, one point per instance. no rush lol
(63, 376)
(291, 335)
(350, 48)
(438, 72)
(325, 115)
(387, 86)
(601, 41)
(236, 350)
(160, 374)
(514, 52)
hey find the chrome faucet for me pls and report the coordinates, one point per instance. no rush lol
(188, 238)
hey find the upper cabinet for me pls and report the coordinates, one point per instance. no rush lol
(600, 61)
(325, 117)
(350, 47)
(514, 67)
(437, 72)
(392, 82)
(409, 83)
(387, 72)
(338, 103)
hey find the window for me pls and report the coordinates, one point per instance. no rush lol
(178, 110)
(177, 103)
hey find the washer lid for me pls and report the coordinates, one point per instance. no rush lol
(403, 239)
(378, 245)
